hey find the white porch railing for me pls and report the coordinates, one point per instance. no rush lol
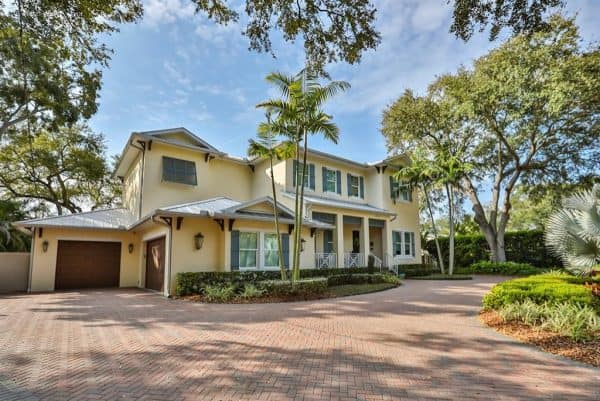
(377, 263)
(354, 259)
(325, 260)
(391, 263)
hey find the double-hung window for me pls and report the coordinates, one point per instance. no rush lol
(400, 190)
(270, 250)
(179, 171)
(403, 243)
(355, 186)
(331, 181)
(248, 250)
(258, 250)
(309, 175)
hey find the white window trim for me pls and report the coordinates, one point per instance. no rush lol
(338, 185)
(260, 257)
(262, 252)
(403, 244)
(244, 249)
(307, 178)
(357, 196)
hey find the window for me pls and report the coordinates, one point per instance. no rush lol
(271, 253)
(330, 178)
(248, 250)
(400, 190)
(180, 171)
(403, 243)
(309, 175)
(356, 186)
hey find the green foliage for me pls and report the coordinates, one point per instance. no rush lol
(342, 279)
(304, 287)
(65, 168)
(11, 239)
(219, 293)
(523, 247)
(443, 277)
(529, 211)
(251, 291)
(579, 322)
(573, 232)
(414, 270)
(502, 268)
(552, 288)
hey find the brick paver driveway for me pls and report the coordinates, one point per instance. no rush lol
(418, 342)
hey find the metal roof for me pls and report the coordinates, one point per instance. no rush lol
(206, 207)
(114, 219)
(363, 207)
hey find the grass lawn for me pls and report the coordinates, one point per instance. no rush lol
(440, 276)
(355, 289)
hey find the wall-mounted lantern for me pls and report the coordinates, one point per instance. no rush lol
(199, 240)
(130, 248)
(45, 246)
(302, 243)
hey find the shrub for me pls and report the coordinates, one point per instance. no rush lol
(251, 291)
(552, 288)
(219, 293)
(377, 278)
(415, 270)
(279, 288)
(573, 320)
(504, 268)
(520, 246)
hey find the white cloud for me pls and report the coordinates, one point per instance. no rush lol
(429, 15)
(177, 75)
(158, 12)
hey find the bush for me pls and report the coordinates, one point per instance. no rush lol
(377, 278)
(503, 268)
(219, 293)
(415, 270)
(280, 288)
(251, 291)
(552, 288)
(520, 246)
(576, 321)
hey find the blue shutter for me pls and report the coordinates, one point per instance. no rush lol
(285, 248)
(395, 242)
(311, 176)
(324, 178)
(362, 187)
(295, 173)
(410, 194)
(339, 182)
(235, 250)
(349, 181)
(412, 243)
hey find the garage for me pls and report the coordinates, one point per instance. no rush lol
(87, 264)
(155, 264)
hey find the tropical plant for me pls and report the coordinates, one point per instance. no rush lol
(267, 146)
(299, 114)
(11, 239)
(573, 232)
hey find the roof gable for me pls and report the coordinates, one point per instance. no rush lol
(262, 205)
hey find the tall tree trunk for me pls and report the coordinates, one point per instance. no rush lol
(435, 231)
(301, 208)
(297, 199)
(450, 193)
(276, 215)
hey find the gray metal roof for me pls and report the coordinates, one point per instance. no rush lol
(206, 207)
(363, 207)
(104, 219)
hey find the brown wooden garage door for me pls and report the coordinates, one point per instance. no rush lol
(155, 264)
(87, 264)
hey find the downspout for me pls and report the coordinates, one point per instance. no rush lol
(164, 223)
(141, 148)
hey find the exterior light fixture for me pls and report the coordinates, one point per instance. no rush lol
(302, 243)
(130, 247)
(45, 246)
(199, 240)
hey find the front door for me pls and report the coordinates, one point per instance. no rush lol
(355, 241)
(328, 241)
(155, 264)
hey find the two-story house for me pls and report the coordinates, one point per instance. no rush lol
(188, 206)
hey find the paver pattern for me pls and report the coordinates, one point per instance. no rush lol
(421, 341)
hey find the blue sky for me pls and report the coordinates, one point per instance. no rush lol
(176, 68)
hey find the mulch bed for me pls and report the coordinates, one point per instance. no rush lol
(584, 351)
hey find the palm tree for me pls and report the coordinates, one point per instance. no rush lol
(267, 146)
(300, 111)
(573, 232)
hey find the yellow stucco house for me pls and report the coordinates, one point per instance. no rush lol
(188, 207)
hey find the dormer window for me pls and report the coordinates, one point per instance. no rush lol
(179, 171)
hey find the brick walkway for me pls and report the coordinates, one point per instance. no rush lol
(421, 341)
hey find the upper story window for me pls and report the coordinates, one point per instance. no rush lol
(332, 181)
(309, 175)
(400, 190)
(180, 171)
(356, 186)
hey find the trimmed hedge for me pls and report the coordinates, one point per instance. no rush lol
(377, 278)
(311, 286)
(502, 268)
(520, 246)
(415, 270)
(551, 288)
(193, 282)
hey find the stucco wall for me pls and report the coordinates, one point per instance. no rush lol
(131, 186)
(44, 263)
(14, 271)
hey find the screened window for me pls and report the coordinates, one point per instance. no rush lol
(271, 253)
(299, 168)
(248, 250)
(354, 189)
(180, 171)
(403, 243)
(331, 181)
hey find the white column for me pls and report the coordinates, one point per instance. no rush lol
(387, 239)
(365, 243)
(226, 247)
(339, 242)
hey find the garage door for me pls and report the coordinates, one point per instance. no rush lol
(155, 264)
(87, 264)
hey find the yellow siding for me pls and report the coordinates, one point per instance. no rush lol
(131, 186)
